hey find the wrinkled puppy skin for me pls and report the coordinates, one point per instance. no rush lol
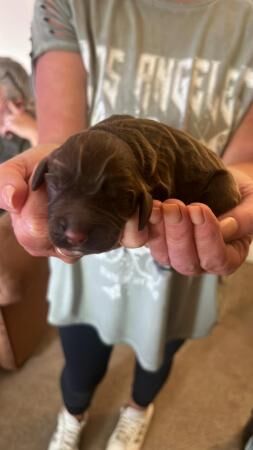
(100, 177)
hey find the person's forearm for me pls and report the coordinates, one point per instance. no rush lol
(239, 152)
(60, 96)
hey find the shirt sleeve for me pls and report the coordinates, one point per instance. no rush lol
(52, 28)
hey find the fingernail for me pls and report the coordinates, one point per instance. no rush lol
(156, 215)
(196, 215)
(173, 214)
(7, 194)
(229, 227)
(157, 204)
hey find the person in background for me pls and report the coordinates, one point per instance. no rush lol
(187, 63)
(18, 128)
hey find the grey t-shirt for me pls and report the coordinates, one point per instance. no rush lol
(189, 65)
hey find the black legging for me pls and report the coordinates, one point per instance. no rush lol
(86, 361)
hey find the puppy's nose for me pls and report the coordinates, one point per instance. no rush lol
(75, 237)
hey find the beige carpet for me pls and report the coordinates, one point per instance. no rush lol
(203, 406)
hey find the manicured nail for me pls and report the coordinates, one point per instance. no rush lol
(173, 214)
(196, 214)
(7, 194)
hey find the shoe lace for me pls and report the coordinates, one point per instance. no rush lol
(66, 434)
(129, 427)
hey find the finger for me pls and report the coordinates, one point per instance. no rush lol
(13, 194)
(229, 227)
(237, 253)
(157, 240)
(156, 213)
(132, 237)
(209, 241)
(215, 256)
(31, 224)
(14, 175)
(243, 215)
(180, 238)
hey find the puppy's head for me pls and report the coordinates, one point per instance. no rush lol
(94, 187)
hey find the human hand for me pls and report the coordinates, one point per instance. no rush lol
(18, 121)
(189, 238)
(28, 209)
(192, 240)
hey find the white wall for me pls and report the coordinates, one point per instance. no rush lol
(15, 19)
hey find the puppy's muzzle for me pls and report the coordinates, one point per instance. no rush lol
(74, 237)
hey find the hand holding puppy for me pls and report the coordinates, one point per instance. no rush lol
(173, 233)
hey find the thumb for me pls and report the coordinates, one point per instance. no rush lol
(15, 174)
(229, 227)
(13, 196)
(13, 185)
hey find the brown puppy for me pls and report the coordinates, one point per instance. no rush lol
(98, 178)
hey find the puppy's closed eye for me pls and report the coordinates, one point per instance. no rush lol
(55, 186)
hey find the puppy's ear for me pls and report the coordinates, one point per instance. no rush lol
(39, 174)
(145, 202)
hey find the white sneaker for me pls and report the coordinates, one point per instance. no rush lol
(68, 432)
(249, 445)
(131, 429)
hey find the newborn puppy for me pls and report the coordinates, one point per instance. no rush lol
(99, 178)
